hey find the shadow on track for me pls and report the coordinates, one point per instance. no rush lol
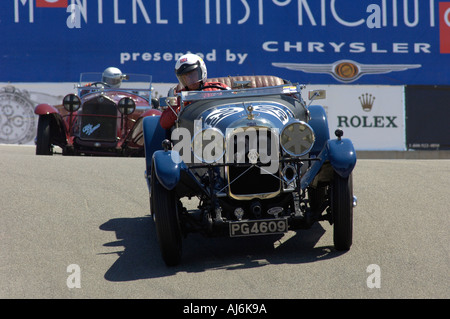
(139, 255)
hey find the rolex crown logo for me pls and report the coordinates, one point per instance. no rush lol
(367, 101)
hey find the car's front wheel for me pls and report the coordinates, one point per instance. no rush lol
(165, 215)
(342, 210)
(43, 145)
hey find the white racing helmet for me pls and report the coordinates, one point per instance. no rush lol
(113, 77)
(190, 69)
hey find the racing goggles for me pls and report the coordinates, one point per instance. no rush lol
(190, 78)
(113, 81)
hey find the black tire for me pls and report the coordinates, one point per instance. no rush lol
(165, 215)
(43, 145)
(342, 210)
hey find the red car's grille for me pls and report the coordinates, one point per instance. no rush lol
(99, 122)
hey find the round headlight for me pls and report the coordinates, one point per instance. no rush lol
(126, 106)
(71, 103)
(208, 145)
(297, 138)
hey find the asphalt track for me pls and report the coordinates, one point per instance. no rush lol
(91, 212)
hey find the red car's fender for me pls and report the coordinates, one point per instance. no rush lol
(59, 126)
(43, 109)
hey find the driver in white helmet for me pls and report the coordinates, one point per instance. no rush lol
(113, 77)
(191, 72)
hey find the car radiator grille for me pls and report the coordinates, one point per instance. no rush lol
(248, 182)
(99, 122)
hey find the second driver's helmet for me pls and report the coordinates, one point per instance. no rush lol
(112, 76)
(190, 69)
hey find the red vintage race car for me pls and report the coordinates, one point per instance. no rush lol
(103, 118)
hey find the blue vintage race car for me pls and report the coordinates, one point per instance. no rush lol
(259, 160)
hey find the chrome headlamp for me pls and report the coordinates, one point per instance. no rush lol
(297, 138)
(126, 106)
(208, 145)
(71, 103)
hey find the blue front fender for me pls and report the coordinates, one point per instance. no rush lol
(342, 156)
(319, 123)
(154, 134)
(167, 166)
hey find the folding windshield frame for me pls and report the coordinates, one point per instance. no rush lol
(191, 96)
(139, 84)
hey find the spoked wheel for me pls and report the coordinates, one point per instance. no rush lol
(342, 210)
(165, 215)
(43, 145)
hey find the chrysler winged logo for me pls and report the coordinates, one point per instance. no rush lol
(346, 71)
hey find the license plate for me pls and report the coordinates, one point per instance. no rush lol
(258, 227)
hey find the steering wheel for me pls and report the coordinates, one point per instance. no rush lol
(96, 84)
(214, 87)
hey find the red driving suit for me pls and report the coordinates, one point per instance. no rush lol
(168, 117)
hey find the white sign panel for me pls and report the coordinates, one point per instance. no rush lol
(373, 117)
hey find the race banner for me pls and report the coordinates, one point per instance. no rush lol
(395, 42)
